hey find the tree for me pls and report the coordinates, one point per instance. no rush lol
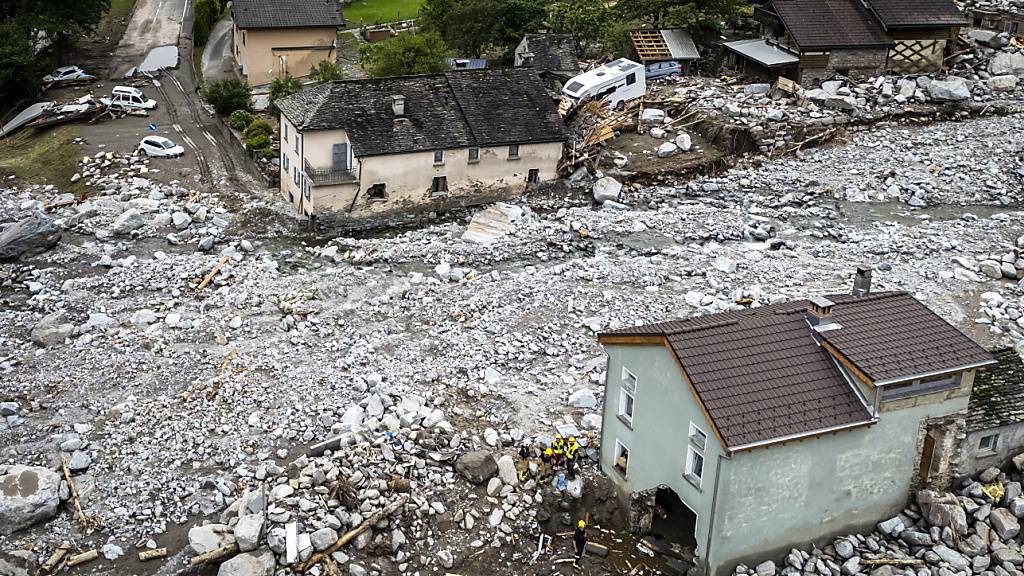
(588, 21)
(693, 15)
(207, 12)
(229, 95)
(325, 71)
(472, 26)
(405, 54)
(282, 86)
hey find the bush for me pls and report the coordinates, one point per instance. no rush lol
(325, 71)
(281, 87)
(227, 96)
(240, 119)
(259, 128)
(258, 142)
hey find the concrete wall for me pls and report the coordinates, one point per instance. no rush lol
(854, 62)
(258, 52)
(663, 408)
(1009, 444)
(785, 495)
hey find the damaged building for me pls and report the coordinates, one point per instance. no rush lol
(995, 417)
(737, 435)
(810, 41)
(365, 151)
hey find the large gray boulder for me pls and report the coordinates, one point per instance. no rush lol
(1004, 523)
(51, 330)
(1007, 63)
(949, 90)
(607, 188)
(128, 221)
(951, 557)
(477, 467)
(942, 509)
(1004, 83)
(247, 531)
(208, 538)
(28, 237)
(260, 563)
(28, 494)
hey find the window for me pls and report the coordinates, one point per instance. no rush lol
(305, 187)
(439, 186)
(631, 79)
(533, 176)
(474, 154)
(513, 151)
(438, 157)
(921, 386)
(284, 133)
(297, 141)
(988, 443)
(295, 174)
(284, 162)
(627, 397)
(243, 38)
(694, 466)
(697, 437)
(378, 192)
(621, 458)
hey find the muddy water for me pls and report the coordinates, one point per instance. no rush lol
(159, 58)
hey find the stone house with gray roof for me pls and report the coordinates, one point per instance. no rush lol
(995, 416)
(737, 435)
(368, 152)
(276, 38)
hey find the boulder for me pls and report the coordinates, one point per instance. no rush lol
(684, 142)
(28, 237)
(209, 537)
(582, 398)
(766, 568)
(950, 90)
(652, 116)
(989, 38)
(757, 88)
(247, 531)
(323, 538)
(1004, 523)
(1004, 83)
(942, 509)
(844, 103)
(128, 221)
(951, 557)
(607, 188)
(249, 564)
(51, 330)
(667, 149)
(507, 471)
(28, 494)
(477, 466)
(1007, 63)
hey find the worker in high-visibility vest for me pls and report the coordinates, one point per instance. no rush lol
(558, 449)
(571, 454)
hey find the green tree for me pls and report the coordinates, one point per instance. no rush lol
(587, 20)
(691, 14)
(282, 86)
(229, 95)
(206, 14)
(405, 54)
(473, 26)
(325, 71)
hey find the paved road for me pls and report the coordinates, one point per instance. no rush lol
(154, 23)
(218, 61)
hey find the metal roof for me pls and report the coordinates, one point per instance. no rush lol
(762, 52)
(670, 44)
(680, 44)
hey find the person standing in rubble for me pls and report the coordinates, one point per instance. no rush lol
(558, 449)
(571, 453)
(544, 474)
(523, 464)
(579, 542)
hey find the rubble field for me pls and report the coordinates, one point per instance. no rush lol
(211, 383)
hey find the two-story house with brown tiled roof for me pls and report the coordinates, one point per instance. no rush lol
(276, 38)
(737, 435)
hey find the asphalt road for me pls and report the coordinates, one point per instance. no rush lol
(153, 23)
(218, 63)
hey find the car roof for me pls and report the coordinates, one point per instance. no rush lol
(66, 68)
(159, 139)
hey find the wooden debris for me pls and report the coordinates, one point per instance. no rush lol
(152, 554)
(83, 557)
(351, 534)
(55, 561)
(209, 277)
(217, 555)
(220, 373)
(893, 561)
(399, 484)
(87, 522)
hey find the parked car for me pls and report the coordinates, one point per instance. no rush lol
(666, 69)
(67, 73)
(129, 97)
(160, 147)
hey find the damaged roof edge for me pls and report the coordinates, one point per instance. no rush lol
(935, 373)
(801, 435)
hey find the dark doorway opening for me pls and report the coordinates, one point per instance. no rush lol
(673, 530)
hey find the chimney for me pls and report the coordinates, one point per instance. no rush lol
(398, 105)
(862, 281)
(819, 314)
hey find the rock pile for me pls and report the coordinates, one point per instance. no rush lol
(972, 531)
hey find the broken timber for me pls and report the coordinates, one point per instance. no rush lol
(86, 522)
(893, 561)
(56, 560)
(351, 534)
(152, 554)
(83, 557)
(217, 555)
(209, 277)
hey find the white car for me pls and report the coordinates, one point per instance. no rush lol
(160, 147)
(67, 73)
(129, 97)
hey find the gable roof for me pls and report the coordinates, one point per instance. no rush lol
(553, 52)
(762, 376)
(490, 107)
(825, 24)
(917, 13)
(998, 395)
(256, 14)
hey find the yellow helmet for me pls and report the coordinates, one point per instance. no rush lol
(572, 439)
(558, 436)
(548, 452)
(581, 524)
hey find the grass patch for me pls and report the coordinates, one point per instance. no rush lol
(113, 21)
(47, 157)
(380, 11)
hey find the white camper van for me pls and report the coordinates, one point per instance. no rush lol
(615, 82)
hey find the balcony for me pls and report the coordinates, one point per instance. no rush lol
(328, 176)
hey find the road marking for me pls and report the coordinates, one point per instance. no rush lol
(183, 11)
(209, 137)
(178, 128)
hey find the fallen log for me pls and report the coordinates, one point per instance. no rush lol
(85, 521)
(83, 557)
(55, 560)
(152, 554)
(217, 555)
(209, 277)
(351, 534)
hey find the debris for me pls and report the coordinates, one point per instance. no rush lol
(83, 557)
(352, 534)
(147, 555)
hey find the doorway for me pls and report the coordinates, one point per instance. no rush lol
(927, 457)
